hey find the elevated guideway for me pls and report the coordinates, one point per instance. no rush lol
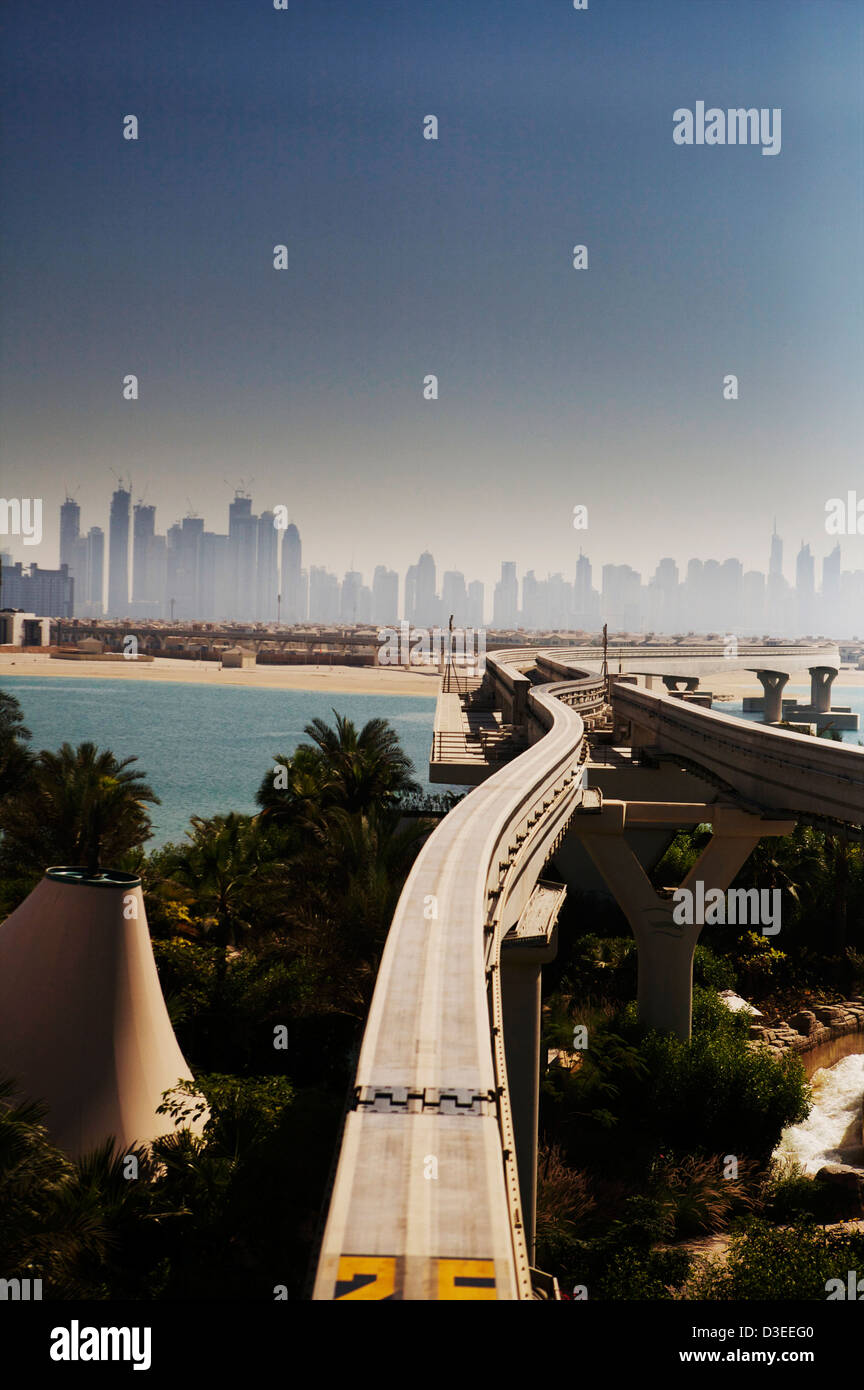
(426, 1202)
(773, 769)
(433, 1191)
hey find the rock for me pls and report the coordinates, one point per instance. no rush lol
(846, 1185)
(804, 1022)
(830, 1014)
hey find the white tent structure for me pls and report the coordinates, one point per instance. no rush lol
(83, 1024)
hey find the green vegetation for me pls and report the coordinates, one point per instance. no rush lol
(262, 926)
(640, 1127)
(273, 924)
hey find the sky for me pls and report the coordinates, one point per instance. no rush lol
(557, 387)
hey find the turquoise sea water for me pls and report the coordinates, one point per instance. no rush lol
(204, 750)
(852, 696)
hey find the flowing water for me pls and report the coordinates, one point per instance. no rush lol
(832, 1132)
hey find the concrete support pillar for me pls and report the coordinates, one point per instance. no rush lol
(772, 684)
(821, 680)
(521, 967)
(673, 683)
(666, 948)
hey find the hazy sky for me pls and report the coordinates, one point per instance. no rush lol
(410, 256)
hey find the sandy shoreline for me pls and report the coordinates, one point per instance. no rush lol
(347, 680)
(342, 680)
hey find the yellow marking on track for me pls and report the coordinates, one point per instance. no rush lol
(458, 1279)
(365, 1276)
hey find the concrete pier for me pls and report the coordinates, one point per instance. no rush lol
(772, 683)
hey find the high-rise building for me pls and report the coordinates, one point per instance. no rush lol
(621, 598)
(268, 568)
(385, 596)
(70, 530)
(422, 605)
(294, 605)
(183, 551)
(94, 602)
(533, 603)
(753, 602)
(213, 577)
(73, 548)
(44, 593)
(584, 597)
(323, 596)
(505, 604)
(348, 600)
(243, 551)
(778, 600)
(454, 599)
(831, 606)
(805, 588)
(118, 553)
(144, 577)
(476, 604)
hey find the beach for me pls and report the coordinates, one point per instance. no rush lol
(343, 680)
(347, 680)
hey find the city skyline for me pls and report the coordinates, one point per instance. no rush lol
(254, 573)
(408, 256)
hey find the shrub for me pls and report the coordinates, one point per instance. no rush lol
(766, 1262)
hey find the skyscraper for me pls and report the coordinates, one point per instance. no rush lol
(70, 528)
(95, 601)
(143, 537)
(476, 604)
(118, 553)
(505, 606)
(243, 551)
(454, 599)
(323, 595)
(73, 549)
(293, 587)
(267, 586)
(385, 596)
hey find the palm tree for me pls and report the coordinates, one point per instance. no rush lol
(219, 868)
(356, 865)
(340, 768)
(297, 788)
(16, 760)
(78, 806)
(367, 768)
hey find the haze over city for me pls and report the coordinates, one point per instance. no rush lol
(409, 256)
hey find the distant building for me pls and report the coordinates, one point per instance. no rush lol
(118, 553)
(93, 603)
(44, 593)
(385, 596)
(476, 604)
(239, 658)
(294, 585)
(505, 605)
(24, 630)
(243, 554)
(267, 569)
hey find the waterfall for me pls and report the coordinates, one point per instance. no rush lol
(832, 1132)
